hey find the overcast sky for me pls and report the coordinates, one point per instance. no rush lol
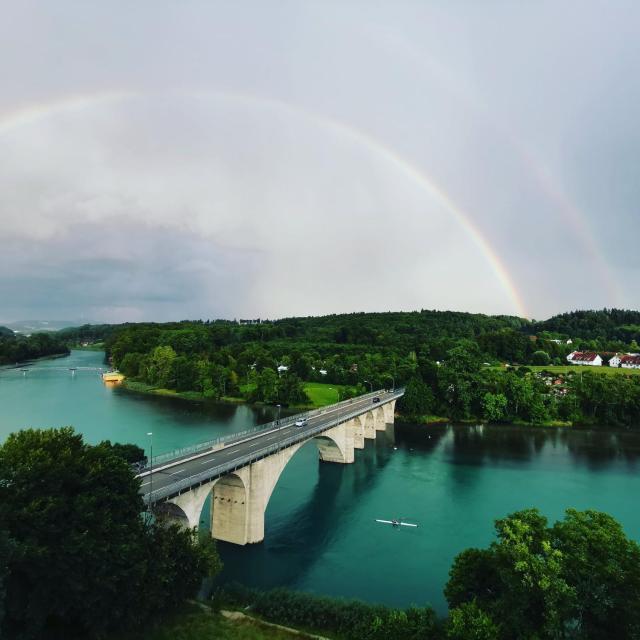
(167, 160)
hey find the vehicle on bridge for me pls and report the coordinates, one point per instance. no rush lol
(301, 423)
(376, 399)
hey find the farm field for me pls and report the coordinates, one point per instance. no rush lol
(564, 368)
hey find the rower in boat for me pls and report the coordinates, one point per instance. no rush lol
(397, 522)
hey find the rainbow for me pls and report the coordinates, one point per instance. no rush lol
(552, 191)
(33, 113)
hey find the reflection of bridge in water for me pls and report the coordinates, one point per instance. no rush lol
(241, 472)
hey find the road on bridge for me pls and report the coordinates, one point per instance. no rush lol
(172, 474)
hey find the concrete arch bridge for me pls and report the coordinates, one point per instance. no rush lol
(241, 471)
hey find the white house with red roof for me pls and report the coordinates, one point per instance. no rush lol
(585, 358)
(628, 361)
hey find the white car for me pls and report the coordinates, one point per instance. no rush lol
(301, 423)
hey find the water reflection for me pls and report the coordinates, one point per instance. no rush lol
(295, 540)
(480, 444)
(419, 437)
(599, 449)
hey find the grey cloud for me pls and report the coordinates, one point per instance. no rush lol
(128, 271)
(524, 114)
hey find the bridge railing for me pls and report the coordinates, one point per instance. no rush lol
(241, 435)
(228, 467)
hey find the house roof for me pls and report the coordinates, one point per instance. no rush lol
(630, 359)
(583, 356)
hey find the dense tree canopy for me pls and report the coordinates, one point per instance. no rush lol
(605, 325)
(578, 579)
(15, 348)
(79, 559)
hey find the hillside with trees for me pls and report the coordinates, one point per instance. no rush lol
(608, 327)
(15, 348)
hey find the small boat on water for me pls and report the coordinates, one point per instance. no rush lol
(112, 376)
(397, 522)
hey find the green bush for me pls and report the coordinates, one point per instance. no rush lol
(349, 619)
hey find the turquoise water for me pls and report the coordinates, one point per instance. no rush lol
(321, 534)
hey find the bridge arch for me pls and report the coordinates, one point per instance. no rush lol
(191, 503)
(171, 513)
(240, 499)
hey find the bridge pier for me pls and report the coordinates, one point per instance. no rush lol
(389, 411)
(240, 499)
(369, 426)
(357, 425)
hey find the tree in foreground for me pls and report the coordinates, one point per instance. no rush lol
(578, 579)
(83, 562)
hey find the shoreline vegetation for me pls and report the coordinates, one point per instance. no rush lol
(22, 363)
(17, 349)
(319, 394)
(133, 386)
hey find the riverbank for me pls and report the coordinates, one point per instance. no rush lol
(22, 363)
(443, 420)
(320, 394)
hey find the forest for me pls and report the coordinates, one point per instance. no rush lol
(457, 366)
(15, 348)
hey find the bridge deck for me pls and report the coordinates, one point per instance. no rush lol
(171, 477)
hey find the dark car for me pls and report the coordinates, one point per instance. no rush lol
(376, 399)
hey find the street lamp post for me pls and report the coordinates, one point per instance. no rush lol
(370, 386)
(394, 383)
(150, 434)
(279, 427)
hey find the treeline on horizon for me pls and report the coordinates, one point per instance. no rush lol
(15, 348)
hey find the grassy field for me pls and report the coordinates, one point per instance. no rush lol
(199, 624)
(322, 394)
(142, 387)
(319, 393)
(604, 370)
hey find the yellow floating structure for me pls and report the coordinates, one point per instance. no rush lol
(112, 376)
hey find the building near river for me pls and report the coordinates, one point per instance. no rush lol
(626, 361)
(585, 358)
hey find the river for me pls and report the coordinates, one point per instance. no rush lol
(320, 530)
